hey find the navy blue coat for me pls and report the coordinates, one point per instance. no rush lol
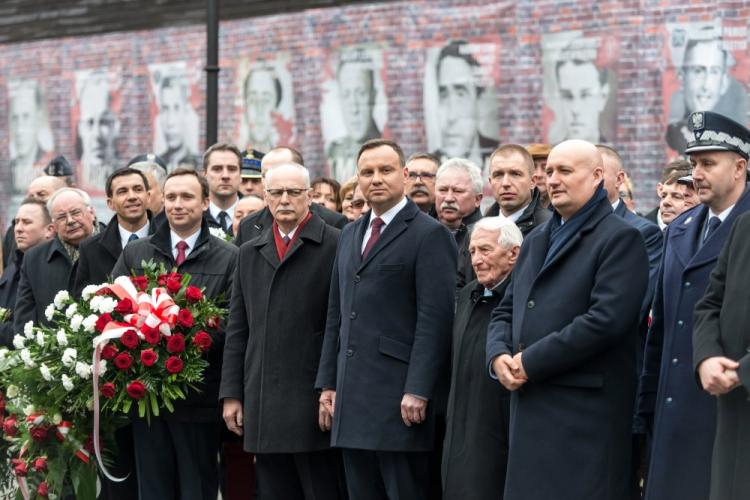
(575, 320)
(684, 417)
(388, 330)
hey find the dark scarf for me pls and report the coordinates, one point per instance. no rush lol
(561, 233)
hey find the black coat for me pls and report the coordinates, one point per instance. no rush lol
(274, 338)
(211, 266)
(574, 319)
(8, 291)
(9, 243)
(253, 225)
(475, 452)
(720, 329)
(388, 330)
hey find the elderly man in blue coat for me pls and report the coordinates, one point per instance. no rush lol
(563, 340)
(683, 417)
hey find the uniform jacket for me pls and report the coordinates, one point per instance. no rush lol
(254, 224)
(211, 266)
(388, 330)
(574, 319)
(274, 338)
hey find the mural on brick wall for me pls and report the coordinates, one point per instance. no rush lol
(580, 87)
(354, 105)
(706, 71)
(174, 122)
(30, 136)
(95, 121)
(265, 102)
(460, 102)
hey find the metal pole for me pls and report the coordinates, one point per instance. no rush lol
(212, 71)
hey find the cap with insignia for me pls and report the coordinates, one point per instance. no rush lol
(251, 164)
(714, 132)
(58, 167)
(539, 151)
(148, 158)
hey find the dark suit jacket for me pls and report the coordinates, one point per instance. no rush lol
(254, 224)
(214, 223)
(278, 315)
(388, 330)
(653, 215)
(574, 319)
(8, 292)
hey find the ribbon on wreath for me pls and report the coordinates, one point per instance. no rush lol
(22, 486)
(62, 431)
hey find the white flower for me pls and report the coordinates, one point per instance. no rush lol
(19, 341)
(75, 322)
(62, 339)
(94, 302)
(28, 330)
(46, 375)
(107, 305)
(83, 370)
(56, 419)
(67, 383)
(49, 312)
(3, 353)
(102, 366)
(90, 404)
(40, 338)
(29, 410)
(71, 310)
(89, 290)
(61, 298)
(69, 357)
(26, 358)
(90, 323)
(218, 232)
(12, 391)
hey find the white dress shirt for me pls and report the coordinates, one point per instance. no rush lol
(190, 240)
(125, 234)
(386, 217)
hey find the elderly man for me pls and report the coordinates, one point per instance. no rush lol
(684, 417)
(47, 267)
(290, 264)
(475, 452)
(563, 332)
(221, 167)
(420, 185)
(176, 453)
(458, 194)
(247, 205)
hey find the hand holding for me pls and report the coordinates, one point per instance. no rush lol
(718, 375)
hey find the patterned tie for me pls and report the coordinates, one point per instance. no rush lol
(132, 237)
(377, 224)
(713, 224)
(223, 220)
(181, 247)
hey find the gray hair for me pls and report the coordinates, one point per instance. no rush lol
(303, 170)
(466, 166)
(80, 192)
(509, 235)
(147, 167)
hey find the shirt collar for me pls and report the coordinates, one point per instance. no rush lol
(722, 215)
(389, 214)
(290, 234)
(615, 204)
(125, 234)
(214, 210)
(517, 214)
(190, 240)
(660, 221)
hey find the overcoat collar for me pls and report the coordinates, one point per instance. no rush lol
(312, 231)
(56, 246)
(162, 241)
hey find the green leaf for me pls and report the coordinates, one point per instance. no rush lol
(141, 408)
(84, 482)
(154, 404)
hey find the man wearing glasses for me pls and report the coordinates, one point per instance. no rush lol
(420, 184)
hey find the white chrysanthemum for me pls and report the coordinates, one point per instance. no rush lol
(61, 298)
(49, 312)
(71, 310)
(83, 370)
(67, 383)
(28, 330)
(89, 290)
(40, 338)
(46, 375)
(62, 339)
(102, 366)
(69, 357)
(218, 232)
(90, 323)
(29, 410)
(3, 353)
(26, 358)
(94, 302)
(11, 391)
(107, 305)
(75, 322)
(56, 419)
(19, 341)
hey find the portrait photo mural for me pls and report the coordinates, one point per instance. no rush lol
(174, 122)
(95, 121)
(460, 106)
(30, 137)
(354, 105)
(707, 69)
(265, 102)
(580, 87)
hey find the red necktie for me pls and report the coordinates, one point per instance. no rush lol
(181, 247)
(377, 224)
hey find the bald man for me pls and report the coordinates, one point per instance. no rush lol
(564, 332)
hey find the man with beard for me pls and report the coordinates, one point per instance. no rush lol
(420, 185)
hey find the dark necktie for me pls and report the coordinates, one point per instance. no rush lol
(377, 225)
(223, 219)
(181, 247)
(713, 224)
(286, 240)
(132, 237)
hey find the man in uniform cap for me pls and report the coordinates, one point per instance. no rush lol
(250, 173)
(540, 152)
(60, 167)
(681, 416)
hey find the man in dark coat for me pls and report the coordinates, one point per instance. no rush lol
(278, 314)
(176, 453)
(46, 268)
(563, 334)
(387, 337)
(475, 452)
(721, 359)
(221, 167)
(684, 417)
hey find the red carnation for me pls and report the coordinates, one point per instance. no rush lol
(149, 357)
(40, 464)
(175, 343)
(103, 320)
(173, 285)
(213, 322)
(140, 282)
(125, 306)
(109, 351)
(174, 364)
(163, 278)
(39, 433)
(185, 318)
(136, 389)
(152, 335)
(42, 490)
(202, 341)
(9, 426)
(193, 294)
(108, 390)
(130, 339)
(20, 467)
(123, 361)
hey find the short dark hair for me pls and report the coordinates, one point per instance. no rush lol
(376, 143)
(221, 146)
(457, 49)
(507, 150)
(424, 156)
(189, 171)
(601, 73)
(677, 164)
(122, 172)
(42, 206)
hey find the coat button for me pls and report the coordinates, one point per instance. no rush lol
(669, 400)
(687, 284)
(531, 304)
(349, 353)
(680, 323)
(675, 361)
(353, 315)
(356, 278)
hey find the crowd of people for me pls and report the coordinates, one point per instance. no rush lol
(387, 339)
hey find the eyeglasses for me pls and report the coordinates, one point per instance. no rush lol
(426, 176)
(291, 192)
(358, 203)
(74, 214)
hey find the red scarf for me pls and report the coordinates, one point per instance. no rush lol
(281, 247)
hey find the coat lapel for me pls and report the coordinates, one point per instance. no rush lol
(359, 234)
(684, 235)
(267, 247)
(110, 239)
(397, 226)
(312, 231)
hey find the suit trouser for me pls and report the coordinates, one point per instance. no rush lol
(386, 475)
(124, 466)
(298, 476)
(176, 460)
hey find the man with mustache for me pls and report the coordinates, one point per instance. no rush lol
(221, 166)
(420, 185)
(458, 194)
